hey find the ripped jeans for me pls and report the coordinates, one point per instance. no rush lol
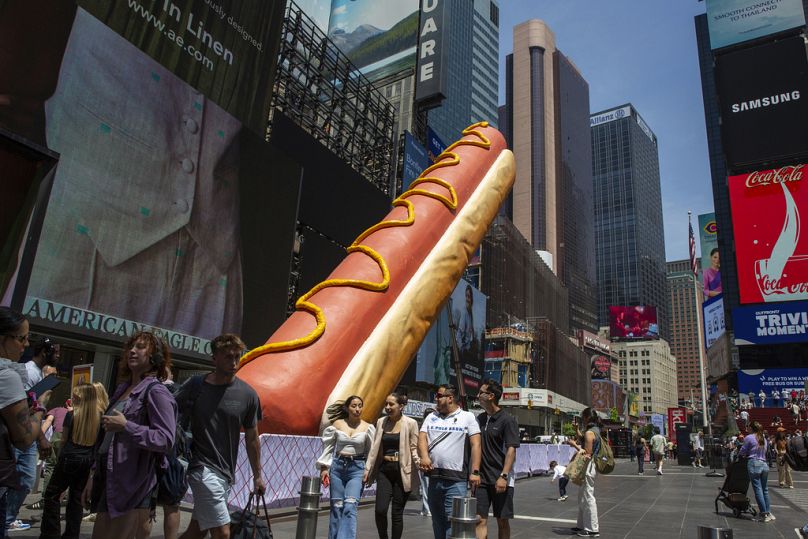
(346, 488)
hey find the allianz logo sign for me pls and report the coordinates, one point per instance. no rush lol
(768, 101)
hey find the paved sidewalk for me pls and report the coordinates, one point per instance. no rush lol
(631, 506)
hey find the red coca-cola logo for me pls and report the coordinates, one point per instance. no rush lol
(791, 173)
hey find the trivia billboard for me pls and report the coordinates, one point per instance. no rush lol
(770, 246)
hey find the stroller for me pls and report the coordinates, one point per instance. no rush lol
(733, 492)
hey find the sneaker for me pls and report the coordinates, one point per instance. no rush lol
(659, 472)
(585, 533)
(790, 486)
(767, 518)
(562, 498)
(89, 518)
(18, 525)
(640, 473)
(36, 506)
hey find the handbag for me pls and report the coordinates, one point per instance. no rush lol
(576, 469)
(245, 524)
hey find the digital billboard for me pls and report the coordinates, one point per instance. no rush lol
(601, 367)
(783, 380)
(434, 361)
(380, 38)
(158, 113)
(710, 258)
(736, 21)
(771, 324)
(763, 95)
(771, 249)
(637, 322)
(714, 323)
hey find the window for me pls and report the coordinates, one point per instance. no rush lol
(494, 14)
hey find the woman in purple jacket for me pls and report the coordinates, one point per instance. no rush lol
(754, 448)
(139, 429)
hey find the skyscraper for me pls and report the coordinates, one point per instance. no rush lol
(473, 67)
(685, 299)
(545, 119)
(629, 238)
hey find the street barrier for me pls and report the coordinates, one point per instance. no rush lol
(286, 460)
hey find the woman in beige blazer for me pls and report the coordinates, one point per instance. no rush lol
(393, 463)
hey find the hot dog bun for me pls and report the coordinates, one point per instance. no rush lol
(356, 332)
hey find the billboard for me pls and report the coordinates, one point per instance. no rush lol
(638, 322)
(714, 323)
(380, 38)
(710, 259)
(736, 21)
(783, 380)
(601, 367)
(416, 160)
(770, 249)
(763, 94)
(434, 362)
(676, 415)
(151, 108)
(771, 324)
(430, 72)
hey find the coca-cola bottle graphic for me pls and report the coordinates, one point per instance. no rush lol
(784, 276)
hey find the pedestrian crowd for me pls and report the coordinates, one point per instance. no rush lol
(123, 456)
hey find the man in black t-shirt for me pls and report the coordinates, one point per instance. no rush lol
(500, 438)
(219, 406)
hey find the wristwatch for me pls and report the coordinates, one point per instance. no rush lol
(503, 475)
(475, 472)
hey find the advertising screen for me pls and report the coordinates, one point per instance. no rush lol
(710, 259)
(636, 322)
(736, 21)
(783, 380)
(157, 165)
(771, 249)
(601, 367)
(771, 324)
(380, 38)
(435, 364)
(763, 94)
(714, 324)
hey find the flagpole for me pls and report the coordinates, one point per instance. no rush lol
(705, 413)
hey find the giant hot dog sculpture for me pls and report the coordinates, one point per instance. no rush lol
(356, 332)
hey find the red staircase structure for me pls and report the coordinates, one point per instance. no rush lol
(765, 416)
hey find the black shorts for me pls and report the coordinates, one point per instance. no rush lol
(503, 503)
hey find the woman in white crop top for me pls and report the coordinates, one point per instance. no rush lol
(346, 443)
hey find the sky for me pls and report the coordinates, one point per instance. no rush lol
(641, 52)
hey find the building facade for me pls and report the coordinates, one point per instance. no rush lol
(629, 237)
(685, 300)
(648, 368)
(545, 119)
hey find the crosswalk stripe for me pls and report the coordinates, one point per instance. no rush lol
(545, 519)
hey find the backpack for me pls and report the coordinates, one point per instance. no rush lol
(172, 482)
(604, 458)
(797, 453)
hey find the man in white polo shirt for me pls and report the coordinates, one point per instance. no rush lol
(442, 445)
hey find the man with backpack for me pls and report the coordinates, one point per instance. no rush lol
(218, 406)
(500, 438)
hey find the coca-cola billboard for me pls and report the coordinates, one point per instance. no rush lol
(763, 95)
(770, 246)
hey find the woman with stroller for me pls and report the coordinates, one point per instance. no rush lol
(81, 429)
(754, 448)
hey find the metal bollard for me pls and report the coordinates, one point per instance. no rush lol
(464, 517)
(708, 532)
(308, 508)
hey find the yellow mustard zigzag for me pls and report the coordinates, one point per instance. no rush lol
(445, 159)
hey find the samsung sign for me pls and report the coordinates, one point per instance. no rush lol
(610, 116)
(430, 72)
(764, 110)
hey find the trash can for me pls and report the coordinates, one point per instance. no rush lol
(708, 532)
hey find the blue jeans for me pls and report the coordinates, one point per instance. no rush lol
(759, 474)
(441, 492)
(346, 489)
(26, 468)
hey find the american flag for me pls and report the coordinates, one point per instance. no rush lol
(692, 248)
